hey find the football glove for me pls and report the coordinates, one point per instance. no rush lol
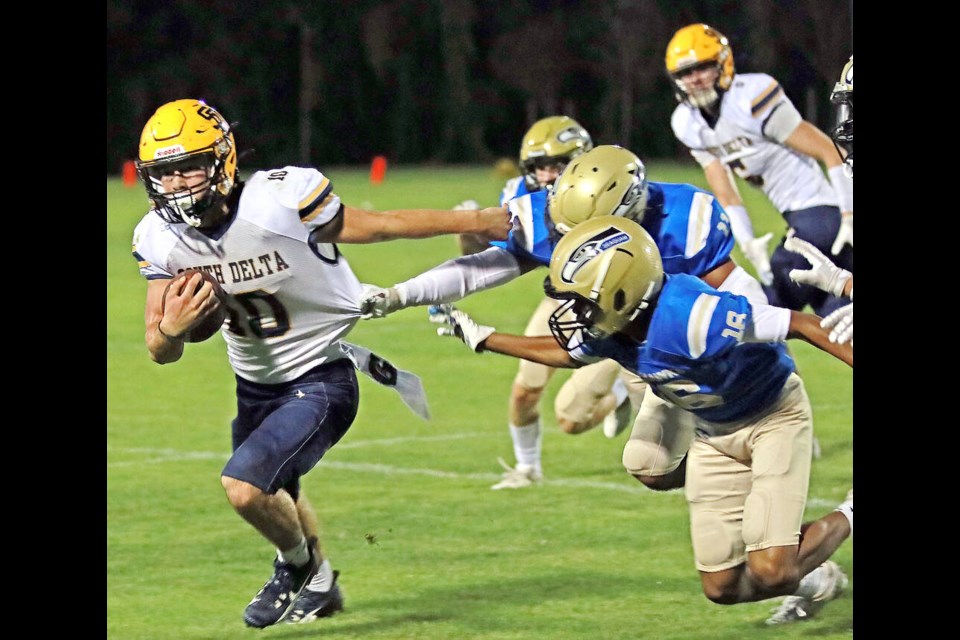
(840, 323)
(823, 275)
(844, 235)
(376, 302)
(756, 252)
(461, 325)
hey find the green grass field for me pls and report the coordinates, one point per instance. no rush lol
(425, 548)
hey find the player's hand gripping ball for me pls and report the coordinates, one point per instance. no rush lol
(209, 325)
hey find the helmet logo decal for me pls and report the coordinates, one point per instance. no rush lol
(169, 151)
(568, 134)
(591, 249)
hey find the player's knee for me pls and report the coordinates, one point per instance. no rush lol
(718, 589)
(771, 573)
(524, 399)
(642, 458)
(241, 495)
(572, 426)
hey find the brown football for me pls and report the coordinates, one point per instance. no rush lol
(212, 323)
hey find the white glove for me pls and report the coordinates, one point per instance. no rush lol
(756, 252)
(824, 275)
(840, 323)
(844, 235)
(467, 204)
(462, 325)
(376, 302)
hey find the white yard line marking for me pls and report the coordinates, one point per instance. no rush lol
(159, 456)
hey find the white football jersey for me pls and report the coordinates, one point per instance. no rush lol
(290, 301)
(791, 180)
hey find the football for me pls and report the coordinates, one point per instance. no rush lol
(209, 326)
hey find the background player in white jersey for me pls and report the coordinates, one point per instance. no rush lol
(291, 298)
(822, 273)
(721, 357)
(744, 123)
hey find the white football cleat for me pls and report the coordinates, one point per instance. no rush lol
(519, 477)
(619, 419)
(794, 608)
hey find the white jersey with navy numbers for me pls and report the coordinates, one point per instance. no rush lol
(290, 301)
(695, 356)
(739, 139)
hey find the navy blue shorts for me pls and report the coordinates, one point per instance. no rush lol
(818, 226)
(282, 430)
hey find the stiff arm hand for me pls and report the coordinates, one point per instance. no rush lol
(377, 302)
(460, 326)
(823, 275)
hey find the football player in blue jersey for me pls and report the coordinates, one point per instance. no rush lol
(688, 222)
(591, 395)
(722, 358)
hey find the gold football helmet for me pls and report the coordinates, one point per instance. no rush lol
(557, 139)
(607, 180)
(842, 96)
(186, 135)
(607, 271)
(695, 46)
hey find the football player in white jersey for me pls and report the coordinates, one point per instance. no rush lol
(290, 297)
(720, 357)
(823, 274)
(744, 123)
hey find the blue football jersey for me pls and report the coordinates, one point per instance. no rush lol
(693, 355)
(691, 229)
(533, 236)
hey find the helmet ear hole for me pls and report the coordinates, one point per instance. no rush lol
(619, 299)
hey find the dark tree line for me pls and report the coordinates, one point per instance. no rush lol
(336, 82)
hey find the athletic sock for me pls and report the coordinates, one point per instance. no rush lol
(527, 443)
(297, 556)
(323, 581)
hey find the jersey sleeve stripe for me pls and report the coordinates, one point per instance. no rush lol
(765, 98)
(698, 325)
(312, 202)
(140, 261)
(698, 224)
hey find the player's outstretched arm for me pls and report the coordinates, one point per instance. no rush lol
(542, 349)
(360, 226)
(447, 282)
